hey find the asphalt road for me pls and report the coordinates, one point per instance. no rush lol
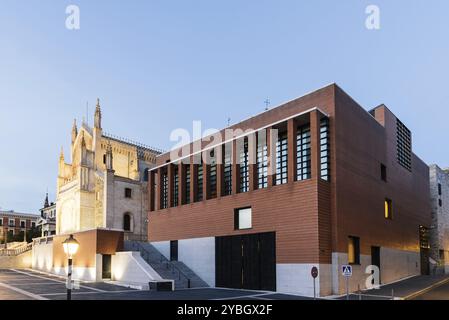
(438, 293)
(27, 284)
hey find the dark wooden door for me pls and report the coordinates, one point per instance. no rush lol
(106, 266)
(246, 261)
(174, 250)
(375, 259)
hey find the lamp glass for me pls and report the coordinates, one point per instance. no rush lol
(70, 246)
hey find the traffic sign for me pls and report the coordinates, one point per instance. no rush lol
(346, 270)
(314, 272)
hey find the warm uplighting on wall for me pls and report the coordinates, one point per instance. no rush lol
(388, 209)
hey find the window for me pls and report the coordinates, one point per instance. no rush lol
(146, 173)
(244, 173)
(199, 183)
(33, 225)
(262, 165)
(303, 153)
(213, 180)
(383, 172)
(281, 159)
(104, 159)
(388, 209)
(324, 149)
(440, 202)
(439, 189)
(128, 192)
(12, 222)
(22, 223)
(242, 219)
(127, 222)
(164, 190)
(1, 221)
(227, 172)
(187, 187)
(175, 186)
(353, 250)
(404, 145)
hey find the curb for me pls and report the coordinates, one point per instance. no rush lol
(425, 290)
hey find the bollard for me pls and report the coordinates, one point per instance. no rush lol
(360, 292)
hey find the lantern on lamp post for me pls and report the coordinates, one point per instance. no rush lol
(70, 246)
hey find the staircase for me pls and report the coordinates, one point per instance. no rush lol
(183, 276)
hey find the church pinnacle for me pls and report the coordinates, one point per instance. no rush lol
(97, 117)
(74, 131)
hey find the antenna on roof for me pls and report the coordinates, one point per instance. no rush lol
(267, 104)
(229, 121)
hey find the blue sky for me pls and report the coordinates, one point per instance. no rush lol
(205, 60)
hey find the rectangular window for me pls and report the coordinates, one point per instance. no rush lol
(383, 172)
(388, 209)
(440, 202)
(303, 153)
(213, 180)
(439, 189)
(353, 250)
(227, 172)
(164, 190)
(324, 150)
(281, 159)
(244, 167)
(187, 186)
(1, 221)
(12, 222)
(128, 192)
(404, 145)
(199, 183)
(242, 219)
(175, 186)
(33, 225)
(262, 165)
(22, 223)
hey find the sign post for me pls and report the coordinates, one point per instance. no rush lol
(314, 273)
(346, 271)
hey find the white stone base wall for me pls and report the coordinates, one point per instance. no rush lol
(198, 254)
(394, 265)
(296, 278)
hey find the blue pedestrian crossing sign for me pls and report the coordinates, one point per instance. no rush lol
(346, 270)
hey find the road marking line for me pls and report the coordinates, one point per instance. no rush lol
(49, 279)
(425, 290)
(26, 293)
(75, 293)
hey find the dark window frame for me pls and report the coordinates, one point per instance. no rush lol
(303, 153)
(128, 193)
(237, 219)
(281, 176)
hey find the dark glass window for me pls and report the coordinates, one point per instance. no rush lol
(213, 180)
(262, 165)
(440, 202)
(127, 222)
(22, 224)
(324, 150)
(439, 189)
(244, 174)
(383, 172)
(164, 193)
(146, 174)
(199, 183)
(227, 173)
(175, 186)
(187, 186)
(281, 159)
(404, 145)
(303, 153)
(128, 192)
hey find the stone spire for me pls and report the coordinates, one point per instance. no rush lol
(97, 117)
(74, 131)
(109, 156)
(61, 155)
(46, 203)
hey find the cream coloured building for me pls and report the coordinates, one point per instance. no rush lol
(105, 184)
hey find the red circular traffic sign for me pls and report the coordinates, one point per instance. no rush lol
(314, 272)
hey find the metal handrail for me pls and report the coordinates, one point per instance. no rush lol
(167, 262)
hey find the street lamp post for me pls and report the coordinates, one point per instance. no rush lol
(70, 247)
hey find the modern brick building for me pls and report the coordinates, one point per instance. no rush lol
(317, 181)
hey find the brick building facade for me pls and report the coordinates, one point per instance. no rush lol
(317, 181)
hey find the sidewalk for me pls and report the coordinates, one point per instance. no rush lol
(401, 290)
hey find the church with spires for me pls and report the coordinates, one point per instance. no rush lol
(104, 184)
(47, 221)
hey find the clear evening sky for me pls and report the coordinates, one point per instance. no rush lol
(159, 65)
